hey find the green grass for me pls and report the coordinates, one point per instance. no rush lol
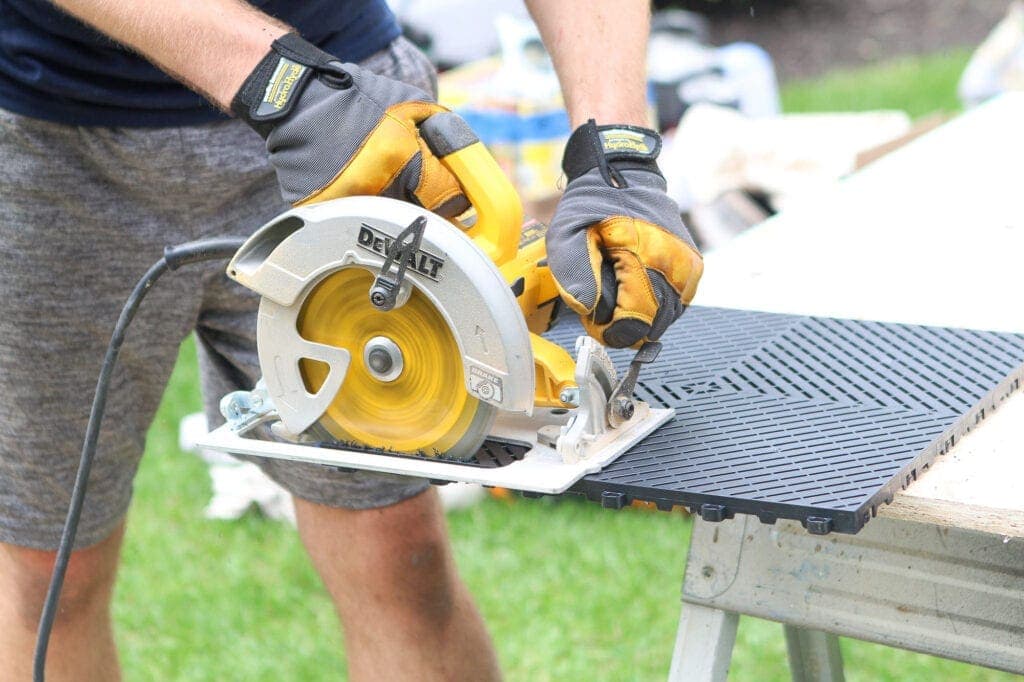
(917, 85)
(570, 591)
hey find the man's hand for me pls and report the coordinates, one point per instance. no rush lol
(617, 247)
(336, 130)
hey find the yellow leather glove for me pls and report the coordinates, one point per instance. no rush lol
(617, 247)
(336, 130)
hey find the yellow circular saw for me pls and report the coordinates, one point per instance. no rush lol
(382, 325)
(386, 327)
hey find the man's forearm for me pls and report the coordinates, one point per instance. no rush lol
(599, 48)
(211, 45)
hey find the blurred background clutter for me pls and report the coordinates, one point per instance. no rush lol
(732, 155)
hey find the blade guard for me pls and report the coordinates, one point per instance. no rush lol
(288, 256)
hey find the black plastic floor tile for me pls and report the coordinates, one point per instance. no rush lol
(814, 419)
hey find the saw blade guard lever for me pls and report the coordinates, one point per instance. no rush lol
(387, 284)
(621, 405)
(499, 211)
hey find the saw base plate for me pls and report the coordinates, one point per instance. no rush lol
(539, 470)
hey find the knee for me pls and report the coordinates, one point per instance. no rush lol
(403, 562)
(416, 573)
(394, 560)
(88, 582)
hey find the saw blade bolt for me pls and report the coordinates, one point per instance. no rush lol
(379, 361)
(383, 358)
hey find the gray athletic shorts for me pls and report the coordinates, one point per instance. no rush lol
(83, 213)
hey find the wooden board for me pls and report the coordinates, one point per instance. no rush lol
(932, 234)
(978, 484)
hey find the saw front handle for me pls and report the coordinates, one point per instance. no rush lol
(499, 212)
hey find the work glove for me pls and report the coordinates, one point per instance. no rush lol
(617, 247)
(336, 130)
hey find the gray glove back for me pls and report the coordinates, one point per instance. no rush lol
(336, 130)
(617, 247)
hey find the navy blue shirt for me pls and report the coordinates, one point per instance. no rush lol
(56, 68)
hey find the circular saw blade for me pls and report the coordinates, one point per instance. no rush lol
(425, 409)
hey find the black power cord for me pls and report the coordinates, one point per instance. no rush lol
(174, 257)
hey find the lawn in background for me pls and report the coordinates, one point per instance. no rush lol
(570, 591)
(917, 85)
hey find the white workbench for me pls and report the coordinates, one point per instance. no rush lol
(932, 234)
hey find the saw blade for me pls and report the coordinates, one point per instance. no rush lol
(404, 390)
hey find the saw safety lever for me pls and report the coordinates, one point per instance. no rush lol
(620, 404)
(384, 292)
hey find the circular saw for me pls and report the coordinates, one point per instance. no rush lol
(392, 339)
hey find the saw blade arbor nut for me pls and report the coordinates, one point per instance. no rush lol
(383, 358)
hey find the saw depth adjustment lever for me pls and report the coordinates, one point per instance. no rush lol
(384, 292)
(620, 403)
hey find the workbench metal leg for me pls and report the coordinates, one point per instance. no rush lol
(814, 655)
(703, 644)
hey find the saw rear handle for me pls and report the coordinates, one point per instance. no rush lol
(521, 257)
(499, 212)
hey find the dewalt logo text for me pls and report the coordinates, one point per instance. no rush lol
(427, 264)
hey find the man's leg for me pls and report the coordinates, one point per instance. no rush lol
(378, 541)
(82, 643)
(405, 611)
(70, 258)
(390, 571)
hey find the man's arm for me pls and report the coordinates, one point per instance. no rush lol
(210, 45)
(617, 247)
(332, 129)
(599, 49)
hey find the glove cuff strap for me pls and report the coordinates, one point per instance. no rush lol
(270, 92)
(610, 148)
